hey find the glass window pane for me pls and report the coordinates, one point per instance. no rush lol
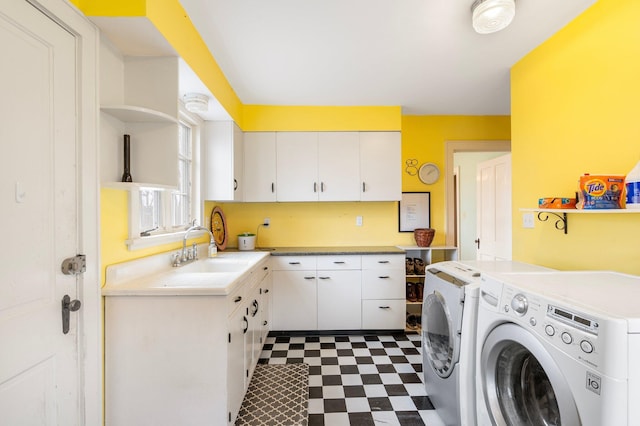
(150, 209)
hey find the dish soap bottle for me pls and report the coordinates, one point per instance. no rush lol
(632, 184)
(213, 250)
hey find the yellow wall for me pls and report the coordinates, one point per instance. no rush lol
(574, 111)
(319, 224)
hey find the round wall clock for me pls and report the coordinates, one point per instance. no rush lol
(429, 173)
(219, 228)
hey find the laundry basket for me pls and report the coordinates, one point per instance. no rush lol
(424, 236)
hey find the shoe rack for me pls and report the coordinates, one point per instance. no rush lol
(417, 259)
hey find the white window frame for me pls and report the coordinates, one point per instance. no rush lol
(166, 232)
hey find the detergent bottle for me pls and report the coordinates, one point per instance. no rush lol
(632, 183)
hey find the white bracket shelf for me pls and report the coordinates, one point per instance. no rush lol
(561, 222)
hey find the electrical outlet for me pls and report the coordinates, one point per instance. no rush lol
(266, 222)
(358, 220)
(527, 220)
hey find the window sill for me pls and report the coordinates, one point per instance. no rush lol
(159, 239)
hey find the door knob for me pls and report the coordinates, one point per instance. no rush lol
(68, 306)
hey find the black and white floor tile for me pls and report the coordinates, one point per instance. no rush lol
(359, 379)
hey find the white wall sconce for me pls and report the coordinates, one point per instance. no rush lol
(196, 102)
(490, 16)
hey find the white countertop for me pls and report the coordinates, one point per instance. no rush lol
(154, 275)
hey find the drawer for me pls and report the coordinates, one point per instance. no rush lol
(383, 314)
(383, 261)
(236, 299)
(339, 262)
(383, 284)
(293, 263)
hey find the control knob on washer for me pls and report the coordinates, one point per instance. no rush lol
(519, 304)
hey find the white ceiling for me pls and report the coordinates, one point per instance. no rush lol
(420, 54)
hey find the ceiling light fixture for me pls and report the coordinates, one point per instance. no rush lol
(490, 16)
(196, 102)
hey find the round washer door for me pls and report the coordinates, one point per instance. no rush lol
(438, 334)
(521, 382)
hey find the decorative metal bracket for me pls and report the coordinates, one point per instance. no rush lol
(561, 222)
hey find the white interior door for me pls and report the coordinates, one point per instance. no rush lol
(40, 381)
(494, 209)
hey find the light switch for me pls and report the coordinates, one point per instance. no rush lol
(527, 220)
(358, 220)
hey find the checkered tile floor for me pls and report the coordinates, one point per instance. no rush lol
(359, 380)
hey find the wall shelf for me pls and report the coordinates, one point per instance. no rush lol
(562, 218)
(128, 186)
(136, 114)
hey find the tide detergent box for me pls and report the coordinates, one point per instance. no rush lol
(601, 192)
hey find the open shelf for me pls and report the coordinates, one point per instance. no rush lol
(136, 114)
(561, 222)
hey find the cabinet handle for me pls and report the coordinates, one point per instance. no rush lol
(246, 321)
(266, 290)
(325, 278)
(384, 277)
(339, 262)
(265, 268)
(309, 278)
(273, 187)
(256, 308)
(315, 187)
(265, 323)
(235, 184)
(384, 307)
(237, 299)
(294, 263)
(321, 186)
(363, 188)
(383, 261)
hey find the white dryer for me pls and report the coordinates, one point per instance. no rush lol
(558, 348)
(449, 331)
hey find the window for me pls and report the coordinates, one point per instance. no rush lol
(159, 215)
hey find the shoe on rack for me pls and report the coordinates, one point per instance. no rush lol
(411, 292)
(419, 291)
(419, 266)
(410, 266)
(412, 321)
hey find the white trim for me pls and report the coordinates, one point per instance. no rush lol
(158, 239)
(90, 332)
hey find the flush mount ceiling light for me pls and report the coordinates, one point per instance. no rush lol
(490, 16)
(196, 102)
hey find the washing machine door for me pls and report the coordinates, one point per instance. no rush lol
(521, 382)
(440, 333)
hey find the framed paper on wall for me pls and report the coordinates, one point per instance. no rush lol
(414, 211)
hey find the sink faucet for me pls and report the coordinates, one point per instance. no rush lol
(193, 227)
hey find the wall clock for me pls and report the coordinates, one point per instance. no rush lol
(219, 228)
(429, 173)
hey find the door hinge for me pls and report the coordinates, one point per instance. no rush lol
(74, 265)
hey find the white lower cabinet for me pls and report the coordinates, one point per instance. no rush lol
(338, 292)
(173, 360)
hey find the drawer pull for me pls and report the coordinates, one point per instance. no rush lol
(265, 268)
(325, 278)
(384, 307)
(265, 323)
(237, 299)
(294, 263)
(339, 262)
(309, 278)
(384, 277)
(383, 261)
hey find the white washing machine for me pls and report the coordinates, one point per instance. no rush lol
(558, 348)
(449, 331)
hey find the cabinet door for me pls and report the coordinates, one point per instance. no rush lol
(339, 300)
(380, 166)
(295, 301)
(265, 309)
(236, 376)
(223, 155)
(383, 314)
(260, 166)
(339, 166)
(297, 166)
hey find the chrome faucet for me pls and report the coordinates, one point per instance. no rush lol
(184, 258)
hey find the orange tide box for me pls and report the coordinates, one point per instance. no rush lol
(557, 203)
(601, 192)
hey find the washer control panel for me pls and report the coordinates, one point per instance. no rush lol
(573, 332)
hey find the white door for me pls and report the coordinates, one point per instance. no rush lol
(380, 166)
(260, 166)
(494, 209)
(297, 166)
(339, 166)
(39, 366)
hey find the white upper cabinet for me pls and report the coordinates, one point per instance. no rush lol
(297, 166)
(223, 161)
(260, 166)
(338, 166)
(380, 166)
